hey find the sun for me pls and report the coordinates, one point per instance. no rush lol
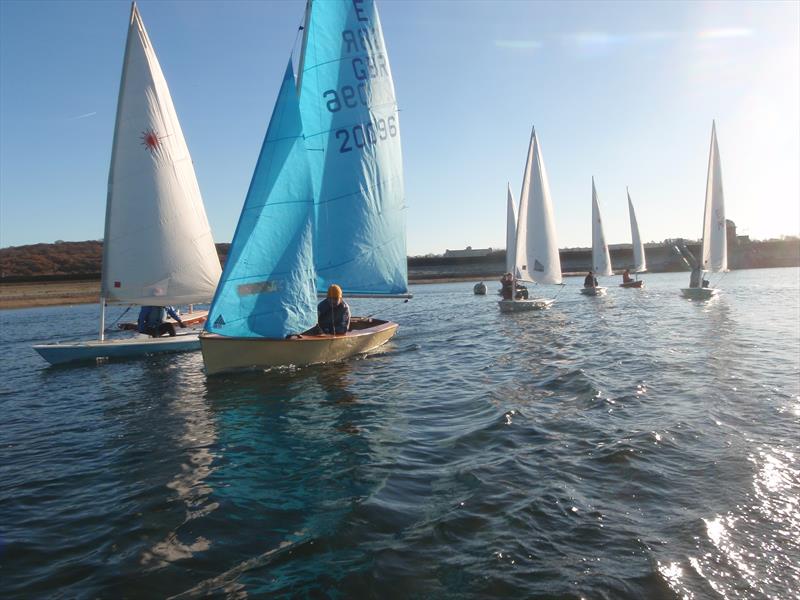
(150, 140)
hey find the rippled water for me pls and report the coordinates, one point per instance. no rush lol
(633, 446)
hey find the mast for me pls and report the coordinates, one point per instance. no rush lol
(301, 62)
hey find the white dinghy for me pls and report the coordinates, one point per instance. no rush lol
(535, 257)
(158, 249)
(325, 205)
(715, 240)
(601, 261)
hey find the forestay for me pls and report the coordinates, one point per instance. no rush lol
(158, 248)
(639, 261)
(511, 232)
(536, 256)
(715, 243)
(268, 288)
(352, 130)
(601, 261)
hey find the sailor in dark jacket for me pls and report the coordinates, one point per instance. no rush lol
(333, 314)
(152, 320)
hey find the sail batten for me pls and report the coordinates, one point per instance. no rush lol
(601, 260)
(158, 248)
(639, 261)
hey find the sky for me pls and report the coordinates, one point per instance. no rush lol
(622, 91)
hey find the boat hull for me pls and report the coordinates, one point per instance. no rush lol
(594, 291)
(511, 306)
(221, 353)
(699, 293)
(632, 284)
(58, 354)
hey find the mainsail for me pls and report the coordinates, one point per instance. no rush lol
(715, 243)
(511, 232)
(601, 261)
(536, 255)
(158, 248)
(639, 262)
(352, 131)
(268, 288)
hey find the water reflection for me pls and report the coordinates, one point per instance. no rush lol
(196, 436)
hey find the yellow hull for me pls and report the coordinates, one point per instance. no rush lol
(221, 353)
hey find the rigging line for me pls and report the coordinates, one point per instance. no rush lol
(382, 313)
(721, 277)
(107, 329)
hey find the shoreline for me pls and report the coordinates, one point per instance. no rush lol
(50, 293)
(65, 293)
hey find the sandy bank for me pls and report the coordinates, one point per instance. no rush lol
(50, 293)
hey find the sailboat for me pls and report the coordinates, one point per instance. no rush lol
(325, 205)
(715, 241)
(601, 261)
(158, 249)
(535, 248)
(639, 262)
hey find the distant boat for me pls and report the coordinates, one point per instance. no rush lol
(479, 289)
(536, 258)
(325, 205)
(639, 262)
(715, 244)
(601, 261)
(158, 249)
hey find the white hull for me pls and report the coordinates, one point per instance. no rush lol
(594, 291)
(509, 306)
(57, 354)
(699, 293)
(221, 353)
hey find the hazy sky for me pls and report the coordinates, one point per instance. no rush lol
(622, 91)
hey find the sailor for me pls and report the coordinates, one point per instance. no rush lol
(152, 321)
(333, 313)
(590, 281)
(626, 276)
(507, 282)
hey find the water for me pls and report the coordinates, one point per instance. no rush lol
(632, 446)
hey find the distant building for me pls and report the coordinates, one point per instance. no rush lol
(468, 252)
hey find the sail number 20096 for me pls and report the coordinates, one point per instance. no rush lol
(365, 134)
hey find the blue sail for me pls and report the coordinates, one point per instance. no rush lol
(352, 131)
(267, 288)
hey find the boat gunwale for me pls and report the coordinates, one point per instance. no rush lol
(303, 337)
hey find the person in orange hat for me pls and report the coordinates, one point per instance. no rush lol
(333, 314)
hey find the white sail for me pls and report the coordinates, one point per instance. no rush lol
(639, 261)
(601, 261)
(511, 232)
(715, 243)
(536, 256)
(158, 248)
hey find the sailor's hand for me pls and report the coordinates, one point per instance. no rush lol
(182, 324)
